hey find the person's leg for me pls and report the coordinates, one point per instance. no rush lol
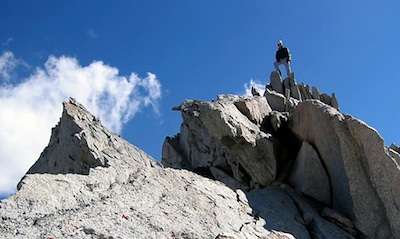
(276, 65)
(287, 66)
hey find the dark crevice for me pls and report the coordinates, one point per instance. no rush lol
(246, 179)
(286, 152)
(204, 171)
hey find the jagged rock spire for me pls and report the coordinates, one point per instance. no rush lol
(284, 94)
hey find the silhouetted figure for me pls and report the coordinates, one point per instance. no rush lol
(282, 57)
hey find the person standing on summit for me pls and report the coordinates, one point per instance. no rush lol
(282, 57)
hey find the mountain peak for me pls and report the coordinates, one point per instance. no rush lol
(286, 164)
(296, 137)
(80, 143)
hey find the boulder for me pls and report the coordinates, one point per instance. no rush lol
(315, 93)
(305, 92)
(276, 82)
(383, 170)
(172, 154)
(226, 134)
(276, 100)
(309, 176)
(254, 108)
(290, 84)
(362, 174)
(334, 102)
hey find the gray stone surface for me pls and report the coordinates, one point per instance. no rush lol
(152, 203)
(276, 82)
(278, 119)
(123, 194)
(226, 134)
(334, 101)
(342, 168)
(309, 176)
(264, 201)
(395, 148)
(79, 143)
(293, 93)
(315, 93)
(364, 178)
(318, 226)
(230, 166)
(305, 91)
(394, 152)
(276, 100)
(254, 108)
(290, 84)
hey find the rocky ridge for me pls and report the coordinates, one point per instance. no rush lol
(286, 164)
(297, 139)
(90, 183)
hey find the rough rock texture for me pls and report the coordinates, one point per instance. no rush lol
(294, 93)
(364, 177)
(211, 131)
(309, 176)
(90, 183)
(79, 143)
(286, 164)
(339, 168)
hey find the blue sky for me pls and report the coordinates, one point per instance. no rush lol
(147, 56)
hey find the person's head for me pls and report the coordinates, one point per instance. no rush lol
(280, 43)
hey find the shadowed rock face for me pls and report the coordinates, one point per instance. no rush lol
(298, 138)
(90, 183)
(358, 164)
(284, 165)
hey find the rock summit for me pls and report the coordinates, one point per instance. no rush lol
(286, 164)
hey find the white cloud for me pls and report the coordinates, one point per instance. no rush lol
(7, 64)
(30, 109)
(257, 85)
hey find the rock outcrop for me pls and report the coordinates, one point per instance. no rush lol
(286, 164)
(364, 178)
(90, 183)
(296, 139)
(284, 94)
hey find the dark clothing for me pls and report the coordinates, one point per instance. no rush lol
(282, 53)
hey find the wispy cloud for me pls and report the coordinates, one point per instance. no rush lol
(31, 108)
(91, 33)
(7, 65)
(7, 42)
(257, 85)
